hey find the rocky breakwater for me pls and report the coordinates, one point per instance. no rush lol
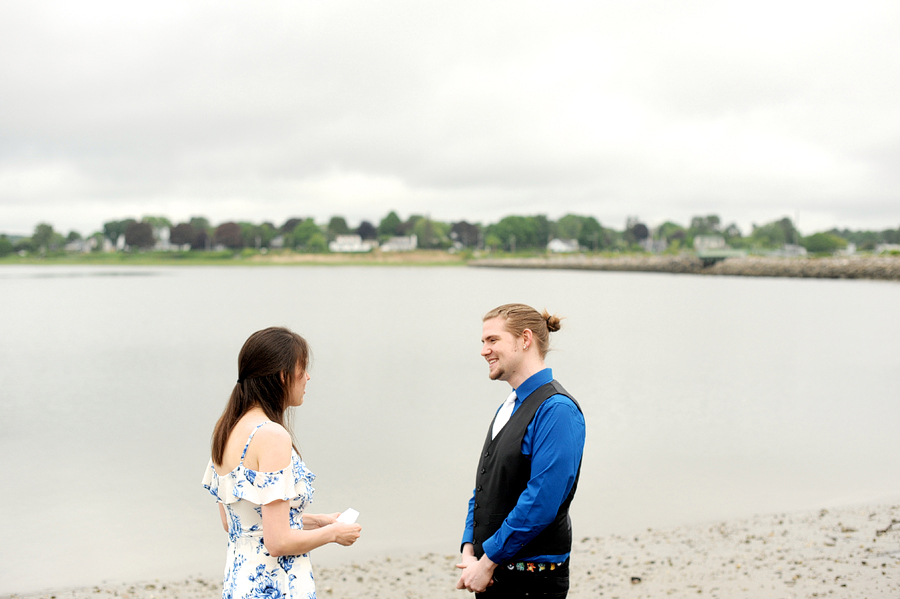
(849, 267)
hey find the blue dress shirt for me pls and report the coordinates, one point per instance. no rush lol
(554, 442)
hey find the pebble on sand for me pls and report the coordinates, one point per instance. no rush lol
(847, 553)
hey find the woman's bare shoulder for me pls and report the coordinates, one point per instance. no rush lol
(272, 433)
(270, 449)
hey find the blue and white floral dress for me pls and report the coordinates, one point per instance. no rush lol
(250, 572)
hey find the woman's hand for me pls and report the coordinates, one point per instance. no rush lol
(314, 521)
(280, 539)
(345, 534)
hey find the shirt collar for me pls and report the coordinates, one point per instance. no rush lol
(531, 384)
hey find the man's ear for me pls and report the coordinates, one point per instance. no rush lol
(527, 336)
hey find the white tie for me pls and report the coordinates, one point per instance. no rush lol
(504, 414)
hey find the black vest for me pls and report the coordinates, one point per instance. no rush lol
(503, 473)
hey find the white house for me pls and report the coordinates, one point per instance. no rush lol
(162, 236)
(81, 245)
(654, 246)
(790, 250)
(849, 250)
(352, 243)
(703, 243)
(562, 246)
(400, 244)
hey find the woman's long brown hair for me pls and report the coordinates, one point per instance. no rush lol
(266, 367)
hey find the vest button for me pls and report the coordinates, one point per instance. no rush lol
(479, 488)
(482, 470)
(487, 453)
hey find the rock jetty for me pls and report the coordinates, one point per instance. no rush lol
(849, 267)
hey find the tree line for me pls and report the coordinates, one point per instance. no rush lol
(513, 233)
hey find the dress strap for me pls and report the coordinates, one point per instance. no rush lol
(250, 438)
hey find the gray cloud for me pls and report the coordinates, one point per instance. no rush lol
(464, 110)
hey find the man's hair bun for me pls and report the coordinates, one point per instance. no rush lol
(553, 322)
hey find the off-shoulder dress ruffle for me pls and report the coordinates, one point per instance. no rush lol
(260, 488)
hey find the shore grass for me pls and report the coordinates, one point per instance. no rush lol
(243, 258)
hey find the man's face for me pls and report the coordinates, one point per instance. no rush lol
(501, 349)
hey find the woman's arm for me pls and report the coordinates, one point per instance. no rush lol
(270, 450)
(280, 539)
(313, 521)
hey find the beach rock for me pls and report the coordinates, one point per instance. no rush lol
(835, 552)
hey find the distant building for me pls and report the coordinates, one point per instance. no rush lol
(277, 243)
(791, 251)
(654, 246)
(81, 245)
(883, 248)
(162, 236)
(400, 244)
(562, 246)
(704, 243)
(847, 251)
(352, 243)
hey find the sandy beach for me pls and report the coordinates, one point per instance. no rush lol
(847, 552)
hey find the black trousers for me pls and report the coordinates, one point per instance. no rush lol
(516, 582)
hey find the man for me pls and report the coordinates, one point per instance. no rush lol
(518, 535)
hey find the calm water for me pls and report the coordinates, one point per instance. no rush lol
(705, 398)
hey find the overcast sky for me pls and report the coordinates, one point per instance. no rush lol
(262, 111)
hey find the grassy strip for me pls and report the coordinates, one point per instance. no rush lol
(242, 258)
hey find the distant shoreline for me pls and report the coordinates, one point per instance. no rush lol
(851, 267)
(870, 267)
(274, 258)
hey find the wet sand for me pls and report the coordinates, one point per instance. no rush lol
(847, 552)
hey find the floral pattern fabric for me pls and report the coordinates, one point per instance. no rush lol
(250, 572)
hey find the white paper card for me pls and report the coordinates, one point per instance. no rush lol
(349, 516)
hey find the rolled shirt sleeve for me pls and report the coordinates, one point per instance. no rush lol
(469, 532)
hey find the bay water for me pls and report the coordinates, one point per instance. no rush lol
(705, 398)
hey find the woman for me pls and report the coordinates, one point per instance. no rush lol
(257, 477)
